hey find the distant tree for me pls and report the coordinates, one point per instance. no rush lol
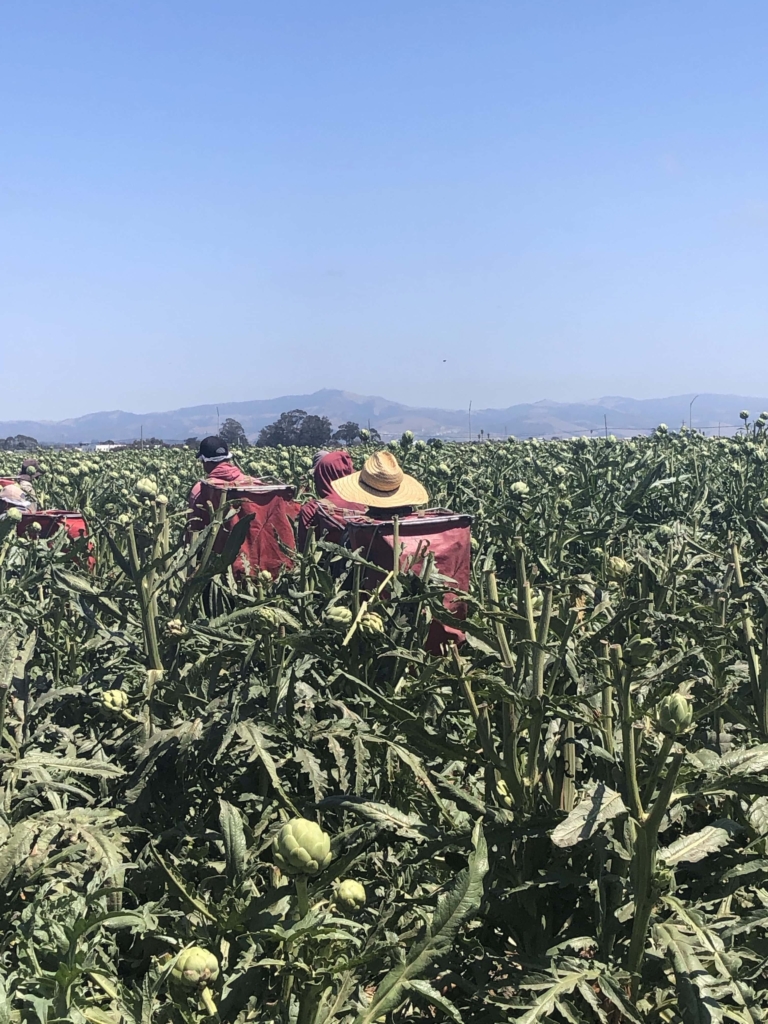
(19, 443)
(348, 432)
(191, 442)
(148, 442)
(296, 427)
(285, 429)
(315, 431)
(232, 432)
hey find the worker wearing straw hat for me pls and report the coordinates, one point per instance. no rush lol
(383, 487)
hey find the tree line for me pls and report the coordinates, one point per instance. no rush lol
(297, 427)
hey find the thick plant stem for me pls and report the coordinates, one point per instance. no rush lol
(3, 703)
(481, 720)
(606, 709)
(537, 673)
(658, 766)
(623, 678)
(501, 633)
(208, 1002)
(524, 605)
(568, 792)
(539, 652)
(758, 677)
(309, 1003)
(511, 769)
(573, 618)
(607, 717)
(644, 865)
(302, 895)
(146, 602)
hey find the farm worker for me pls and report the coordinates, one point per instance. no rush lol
(383, 487)
(219, 470)
(12, 496)
(390, 492)
(30, 471)
(318, 514)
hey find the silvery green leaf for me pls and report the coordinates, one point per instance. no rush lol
(597, 805)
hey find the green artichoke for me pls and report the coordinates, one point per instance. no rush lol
(195, 968)
(371, 623)
(339, 617)
(269, 618)
(618, 568)
(115, 700)
(674, 715)
(350, 895)
(302, 848)
(145, 488)
(639, 651)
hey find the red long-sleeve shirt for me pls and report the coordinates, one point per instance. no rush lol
(224, 473)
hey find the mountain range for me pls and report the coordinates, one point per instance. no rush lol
(619, 416)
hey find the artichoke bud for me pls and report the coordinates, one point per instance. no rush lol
(664, 880)
(115, 700)
(265, 576)
(639, 651)
(371, 623)
(618, 568)
(339, 617)
(674, 715)
(350, 895)
(14, 515)
(145, 488)
(195, 968)
(302, 848)
(269, 618)
(175, 627)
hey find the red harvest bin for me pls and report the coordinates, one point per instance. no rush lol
(273, 510)
(50, 521)
(446, 535)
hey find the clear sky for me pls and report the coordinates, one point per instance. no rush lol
(431, 200)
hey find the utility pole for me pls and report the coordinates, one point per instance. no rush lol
(605, 420)
(142, 436)
(469, 414)
(218, 420)
(690, 416)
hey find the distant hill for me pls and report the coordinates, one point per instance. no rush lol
(623, 416)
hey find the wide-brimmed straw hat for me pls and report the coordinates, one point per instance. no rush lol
(13, 495)
(381, 483)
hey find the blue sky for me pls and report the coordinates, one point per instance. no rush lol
(431, 200)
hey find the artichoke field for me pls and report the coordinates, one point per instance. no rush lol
(266, 803)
